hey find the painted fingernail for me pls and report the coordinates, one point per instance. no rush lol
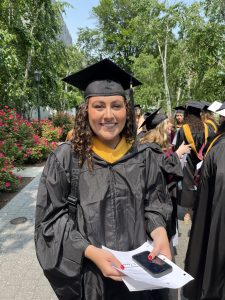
(149, 257)
(122, 267)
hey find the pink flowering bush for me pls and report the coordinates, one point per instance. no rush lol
(8, 181)
(51, 133)
(39, 151)
(64, 121)
(22, 142)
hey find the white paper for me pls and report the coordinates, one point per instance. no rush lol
(214, 106)
(137, 279)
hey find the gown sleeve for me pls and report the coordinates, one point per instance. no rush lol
(158, 204)
(59, 246)
(171, 165)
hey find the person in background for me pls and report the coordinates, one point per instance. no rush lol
(207, 116)
(138, 112)
(179, 117)
(159, 128)
(205, 258)
(122, 198)
(178, 122)
(70, 135)
(195, 133)
(139, 119)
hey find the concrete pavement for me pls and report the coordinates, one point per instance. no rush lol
(21, 277)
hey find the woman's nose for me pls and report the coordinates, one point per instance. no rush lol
(108, 113)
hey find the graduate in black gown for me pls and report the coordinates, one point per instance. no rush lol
(159, 128)
(179, 116)
(122, 195)
(205, 259)
(196, 135)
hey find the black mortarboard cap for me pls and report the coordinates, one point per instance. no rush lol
(180, 109)
(154, 119)
(137, 106)
(194, 104)
(104, 78)
(206, 104)
(194, 107)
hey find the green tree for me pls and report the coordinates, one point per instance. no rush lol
(183, 44)
(29, 34)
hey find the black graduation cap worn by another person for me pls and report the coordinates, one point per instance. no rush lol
(137, 106)
(153, 119)
(194, 107)
(104, 78)
(179, 109)
(206, 104)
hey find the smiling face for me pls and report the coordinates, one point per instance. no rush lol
(107, 118)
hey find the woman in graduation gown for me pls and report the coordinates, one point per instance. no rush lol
(159, 128)
(205, 259)
(196, 136)
(123, 198)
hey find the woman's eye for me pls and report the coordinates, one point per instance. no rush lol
(98, 106)
(117, 106)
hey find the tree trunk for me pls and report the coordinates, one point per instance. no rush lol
(178, 95)
(164, 66)
(189, 81)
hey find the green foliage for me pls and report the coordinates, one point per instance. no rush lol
(65, 122)
(29, 40)
(146, 68)
(177, 51)
(51, 133)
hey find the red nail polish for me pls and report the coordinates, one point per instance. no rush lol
(149, 257)
(122, 267)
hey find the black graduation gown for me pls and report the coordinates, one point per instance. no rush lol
(205, 259)
(172, 170)
(121, 204)
(188, 194)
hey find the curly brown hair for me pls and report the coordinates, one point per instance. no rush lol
(82, 139)
(195, 122)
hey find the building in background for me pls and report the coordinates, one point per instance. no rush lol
(46, 112)
(65, 35)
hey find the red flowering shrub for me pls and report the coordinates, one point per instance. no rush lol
(8, 181)
(50, 132)
(40, 151)
(20, 141)
(65, 121)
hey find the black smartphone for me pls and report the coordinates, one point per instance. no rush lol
(156, 267)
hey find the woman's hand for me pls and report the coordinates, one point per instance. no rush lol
(105, 261)
(183, 149)
(160, 243)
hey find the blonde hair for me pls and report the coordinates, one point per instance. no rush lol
(158, 135)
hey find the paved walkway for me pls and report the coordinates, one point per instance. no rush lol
(21, 277)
